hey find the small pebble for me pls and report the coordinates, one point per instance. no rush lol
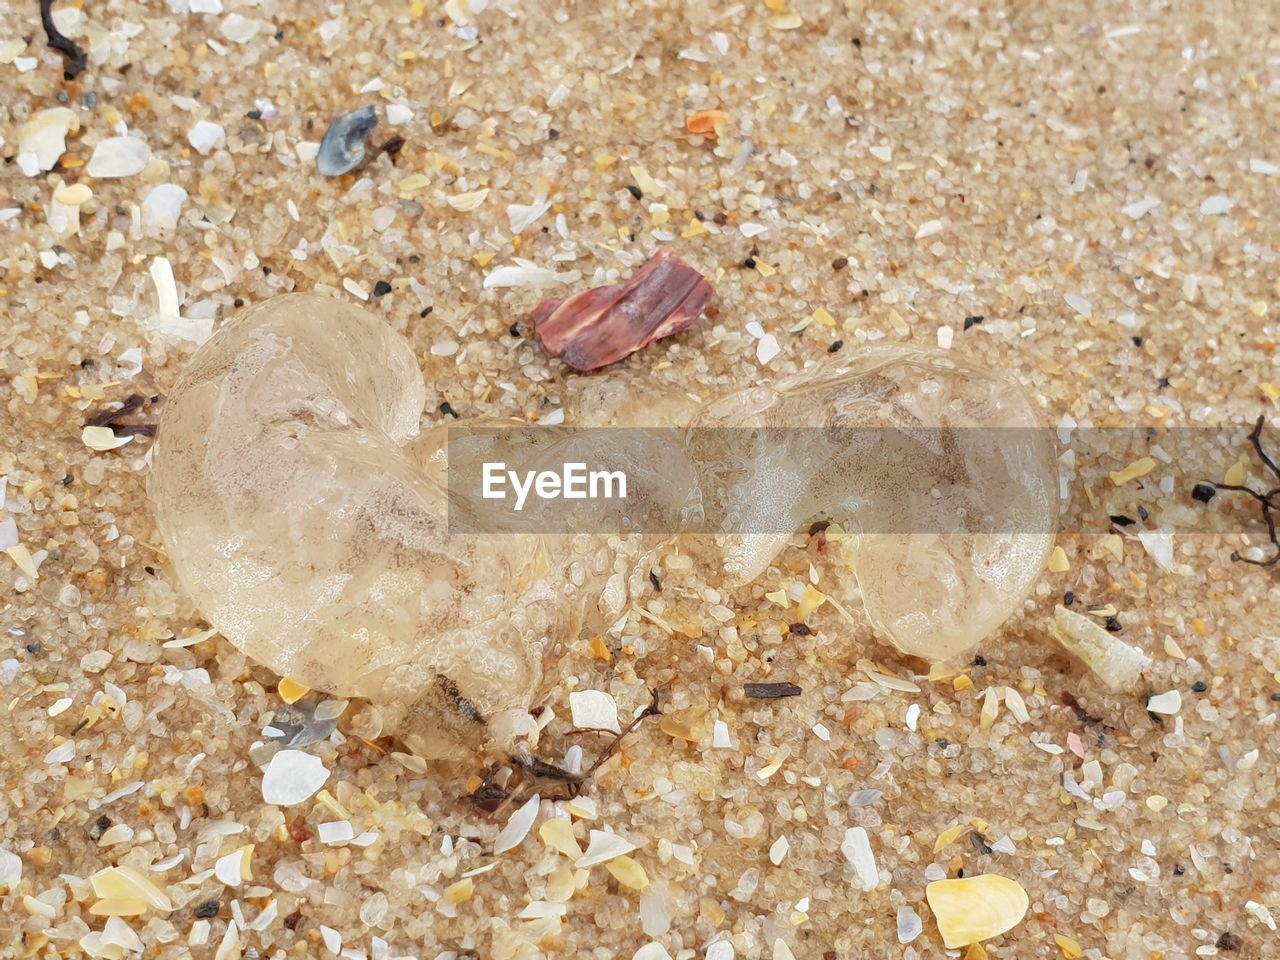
(1204, 492)
(343, 146)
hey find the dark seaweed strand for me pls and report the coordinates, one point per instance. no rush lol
(107, 418)
(771, 691)
(76, 59)
(1269, 500)
(1255, 438)
(575, 781)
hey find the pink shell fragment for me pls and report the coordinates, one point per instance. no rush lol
(606, 324)
(1075, 745)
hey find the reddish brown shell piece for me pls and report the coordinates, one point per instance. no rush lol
(606, 324)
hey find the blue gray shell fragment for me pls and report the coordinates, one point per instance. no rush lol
(343, 146)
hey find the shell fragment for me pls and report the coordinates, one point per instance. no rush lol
(973, 909)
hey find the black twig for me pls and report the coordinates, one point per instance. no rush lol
(76, 59)
(111, 418)
(1269, 500)
(549, 771)
(107, 418)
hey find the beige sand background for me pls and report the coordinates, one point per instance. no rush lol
(955, 161)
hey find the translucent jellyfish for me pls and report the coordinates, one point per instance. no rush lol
(308, 519)
(299, 519)
(938, 474)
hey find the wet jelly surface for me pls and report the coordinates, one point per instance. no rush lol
(308, 519)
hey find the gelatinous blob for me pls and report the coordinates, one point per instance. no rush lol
(937, 472)
(308, 519)
(295, 517)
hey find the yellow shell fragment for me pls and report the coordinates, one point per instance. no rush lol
(1139, 468)
(949, 836)
(809, 602)
(459, 892)
(126, 883)
(119, 908)
(628, 872)
(560, 885)
(291, 691)
(973, 909)
(558, 835)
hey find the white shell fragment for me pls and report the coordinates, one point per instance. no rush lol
(118, 157)
(466, 202)
(292, 777)
(1115, 662)
(206, 135)
(44, 136)
(522, 216)
(10, 869)
(603, 847)
(229, 869)
(343, 146)
(102, 438)
(594, 710)
(518, 827)
(239, 29)
(338, 831)
(651, 951)
(909, 924)
(767, 348)
(1167, 703)
(778, 851)
(928, 229)
(522, 275)
(162, 206)
(1140, 208)
(1217, 205)
(857, 850)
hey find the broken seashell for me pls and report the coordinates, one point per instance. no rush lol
(1116, 663)
(606, 324)
(972, 909)
(343, 147)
